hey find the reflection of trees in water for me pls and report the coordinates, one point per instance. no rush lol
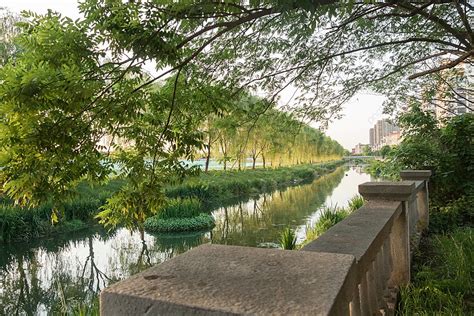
(175, 244)
(43, 279)
(95, 277)
(261, 220)
(20, 288)
(55, 276)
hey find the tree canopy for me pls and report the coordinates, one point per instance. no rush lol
(325, 50)
(72, 82)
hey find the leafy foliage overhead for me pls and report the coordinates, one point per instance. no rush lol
(325, 50)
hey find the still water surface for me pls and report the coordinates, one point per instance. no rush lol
(39, 277)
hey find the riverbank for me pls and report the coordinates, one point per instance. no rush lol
(212, 189)
(442, 274)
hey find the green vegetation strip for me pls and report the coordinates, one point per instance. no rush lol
(219, 186)
(172, 225)
(213, 188)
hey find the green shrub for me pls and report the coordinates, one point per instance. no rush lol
(17, 224)
(173, 225)
(454, 214)
(288, 239)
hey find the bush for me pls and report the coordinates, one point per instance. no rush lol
(17, 224)
(173, 225)
(446, 218)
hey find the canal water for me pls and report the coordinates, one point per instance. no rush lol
(51, 276)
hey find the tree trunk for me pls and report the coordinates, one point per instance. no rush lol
(208, 156)
(263, 161)
(254, 160)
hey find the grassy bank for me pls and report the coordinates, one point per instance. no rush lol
(218, 186)
(442, 270)
(213, 188)
(22, 224)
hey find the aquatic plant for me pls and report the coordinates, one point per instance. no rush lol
(181, 208)
(171, 225)
(329, 217)
(288, 239)
(355, 203)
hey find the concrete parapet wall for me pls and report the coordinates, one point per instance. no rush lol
(353, 269)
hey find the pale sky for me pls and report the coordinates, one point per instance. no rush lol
(360, 113)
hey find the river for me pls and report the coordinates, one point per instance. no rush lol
(50, 276)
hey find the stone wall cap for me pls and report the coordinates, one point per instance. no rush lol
(361, 233)
(415, 174)
(396, 191)
(222, 280)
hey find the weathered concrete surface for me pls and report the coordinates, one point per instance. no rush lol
(225, 280)
(395, 191)
(361, 234)
(420, 175)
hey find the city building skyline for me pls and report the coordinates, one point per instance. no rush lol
(384, 133)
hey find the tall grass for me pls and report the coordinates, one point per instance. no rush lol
(355, 203)
(180, 215)
(288, 239)
(21, 224)
(443, 284)
(201, 222)
(329, 216)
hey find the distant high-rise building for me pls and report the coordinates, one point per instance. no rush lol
(372, 137)
(383, 133)
(378, 132)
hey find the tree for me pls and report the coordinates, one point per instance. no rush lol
(74, 81)
(447, 150)
(57, 100)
